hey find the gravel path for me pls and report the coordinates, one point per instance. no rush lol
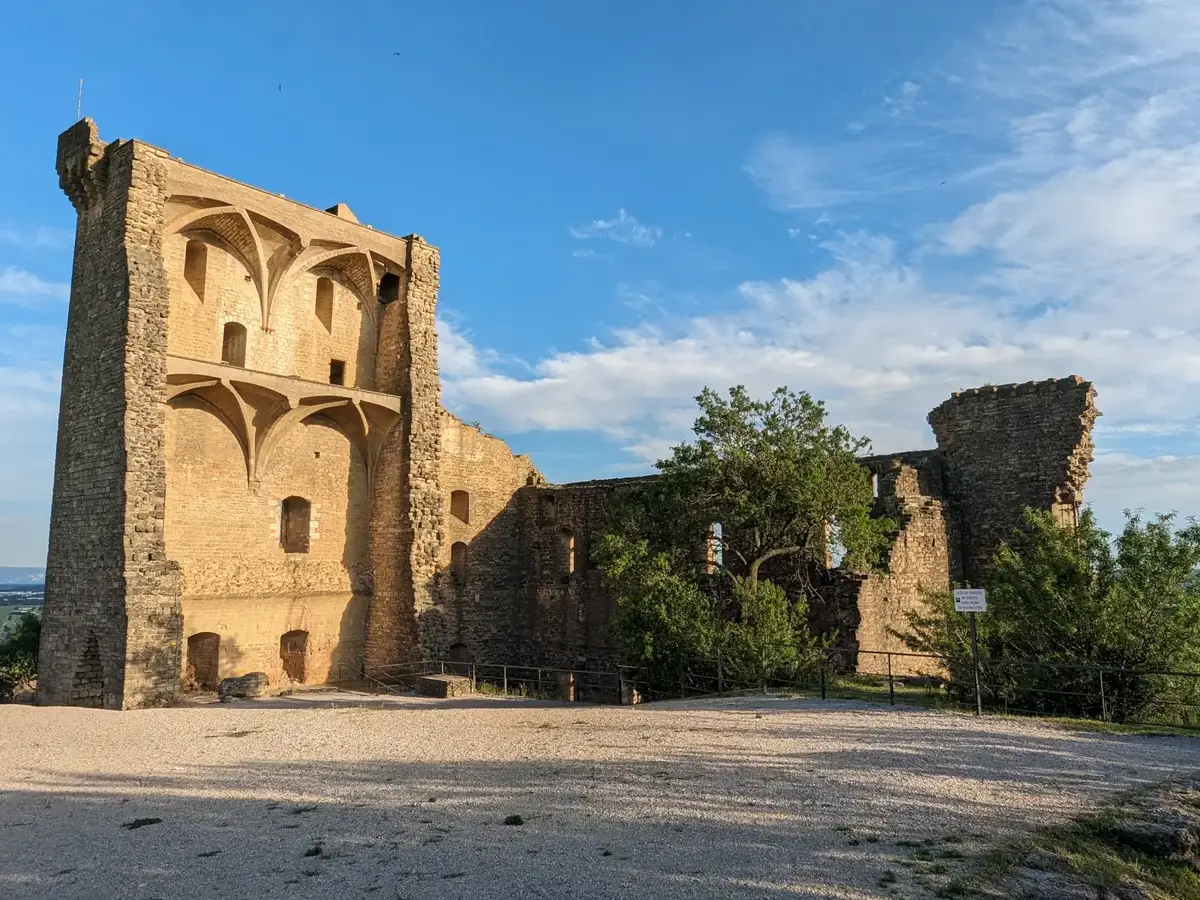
(323, 796)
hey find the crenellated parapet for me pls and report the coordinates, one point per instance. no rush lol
(82, 164)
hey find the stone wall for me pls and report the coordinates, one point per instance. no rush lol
(1009, 447)
(111, 625)
(481, 566)
(921, 558)
(408, 528)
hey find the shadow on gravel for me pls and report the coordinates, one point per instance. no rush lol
(902, 806)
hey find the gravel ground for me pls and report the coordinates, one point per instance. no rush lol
(322, 795)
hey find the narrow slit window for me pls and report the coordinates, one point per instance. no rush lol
(566, 553)
(294, 521)
(324, 308)
(460, 506)
(195, 267)
(458, 561)
(233, 344)
(337, 371)
(875, 485)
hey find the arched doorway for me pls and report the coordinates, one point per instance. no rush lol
(203, 661)
(293, 650)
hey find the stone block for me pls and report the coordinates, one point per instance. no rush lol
(244, 687)
(444, 686)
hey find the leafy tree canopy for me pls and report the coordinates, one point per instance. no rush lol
(780, 481)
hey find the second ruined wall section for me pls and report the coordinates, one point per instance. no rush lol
(1009, 447)
(481, 568)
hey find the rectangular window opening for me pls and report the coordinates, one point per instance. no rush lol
(337, 371)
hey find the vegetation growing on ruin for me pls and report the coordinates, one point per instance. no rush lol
(1076, 601)
(19, 656)
(688, 556)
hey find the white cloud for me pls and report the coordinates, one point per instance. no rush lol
(904, 101)
(18, 285)
(1080, 254)
(624, 229)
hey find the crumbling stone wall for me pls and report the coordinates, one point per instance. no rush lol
(111, 621)
(1008, 447)
(173, 464)
(481, 566)
(922, 557)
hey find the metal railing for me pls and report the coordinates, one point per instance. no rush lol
(619, 686)
(1000, 685)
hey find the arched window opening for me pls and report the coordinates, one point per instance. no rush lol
(566, 553)
(233, 344)
(714, 556)
(293, 652)
(203, 661)
(460, 506)
(459, 653)
(458, 561)
(294, 524)
(195, 267)
(325, 303)
(549, 512)
(389, 288)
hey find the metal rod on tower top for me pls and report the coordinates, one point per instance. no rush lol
(79, 102)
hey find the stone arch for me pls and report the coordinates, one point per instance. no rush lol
(295, 524)
(203, 661)
(293, 654)
(233, 344)
(458, 561)
(460, 506)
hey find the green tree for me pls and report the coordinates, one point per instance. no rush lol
(771, 639)
(780, 481)
(783, 485)
(19, 655)
(661, 620)
(1075, 597)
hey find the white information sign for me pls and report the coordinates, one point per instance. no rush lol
(970, 600)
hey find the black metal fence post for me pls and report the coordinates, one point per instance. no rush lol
(504, 676)
(720, 674)
(823, 663)
(891, 683)
(975, 665)
(1103, 703)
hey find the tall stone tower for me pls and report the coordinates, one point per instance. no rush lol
(247, 473)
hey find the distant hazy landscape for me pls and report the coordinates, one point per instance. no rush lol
(21, 590)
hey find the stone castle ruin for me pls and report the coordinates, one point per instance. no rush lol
(254, 471)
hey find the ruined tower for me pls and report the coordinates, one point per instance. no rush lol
(247, 473)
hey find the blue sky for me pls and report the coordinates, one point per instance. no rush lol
(876, 202)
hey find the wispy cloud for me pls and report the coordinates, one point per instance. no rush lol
(1077, 253)
(904, 101)
(34, 237)
(17, 285)
(624, 229)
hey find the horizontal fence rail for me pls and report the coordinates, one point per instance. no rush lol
(1010, 686)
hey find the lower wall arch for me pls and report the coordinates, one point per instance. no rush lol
(319, 637)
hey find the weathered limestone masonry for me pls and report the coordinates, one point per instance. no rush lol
(111, 632)
(1009, 447)
(254, 471)
(249, 436)
(1001, 449)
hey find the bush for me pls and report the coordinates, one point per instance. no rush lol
(1074, 599)
(19, 656)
